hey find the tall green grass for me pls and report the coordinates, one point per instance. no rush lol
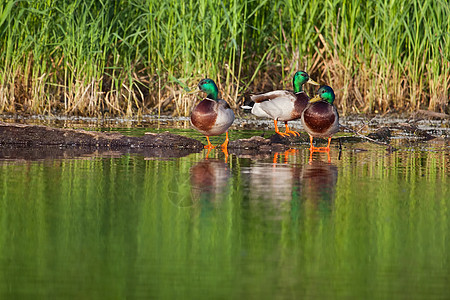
(139, 56)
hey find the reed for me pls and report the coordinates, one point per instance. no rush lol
(140, 56)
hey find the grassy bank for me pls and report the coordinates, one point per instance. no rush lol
(139, 56)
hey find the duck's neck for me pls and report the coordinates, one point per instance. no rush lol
(212, 95)
(298, 87)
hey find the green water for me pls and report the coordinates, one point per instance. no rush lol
(366, 225)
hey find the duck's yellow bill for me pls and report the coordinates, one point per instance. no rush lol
(312, 82)
(315, 99)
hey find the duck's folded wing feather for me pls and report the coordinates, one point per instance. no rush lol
(258, 98)
(279, 109)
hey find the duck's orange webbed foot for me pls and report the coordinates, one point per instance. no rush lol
(319, 149)
(277, 130)
(294, 133)
(209, 146)
(288, 131)
(283, 134)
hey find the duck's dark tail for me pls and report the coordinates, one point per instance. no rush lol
(248, 103)
(250, 106)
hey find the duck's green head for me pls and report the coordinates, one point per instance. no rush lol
(300, 78)
(209, 87)
(325, 93)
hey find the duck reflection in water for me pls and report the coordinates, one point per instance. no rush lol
(282, 183)
(319, 180)
(276, 181)
(209, 179)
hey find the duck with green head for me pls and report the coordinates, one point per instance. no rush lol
(320, 117)
(212, 116)
(282, 105)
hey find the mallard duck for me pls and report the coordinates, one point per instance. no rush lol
(212, 116)
(320, 117)
(282, 105)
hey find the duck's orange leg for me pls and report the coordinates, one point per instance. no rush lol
(209, 146)
(278, 131)
(311, 147)
(288, 131)
(225, 147)
(225, 144)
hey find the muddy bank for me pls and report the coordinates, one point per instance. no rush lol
(19, 141)
(36, 135)
(25, 136)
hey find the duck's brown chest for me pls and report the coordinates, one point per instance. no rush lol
(204, 115)
(319, 117)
